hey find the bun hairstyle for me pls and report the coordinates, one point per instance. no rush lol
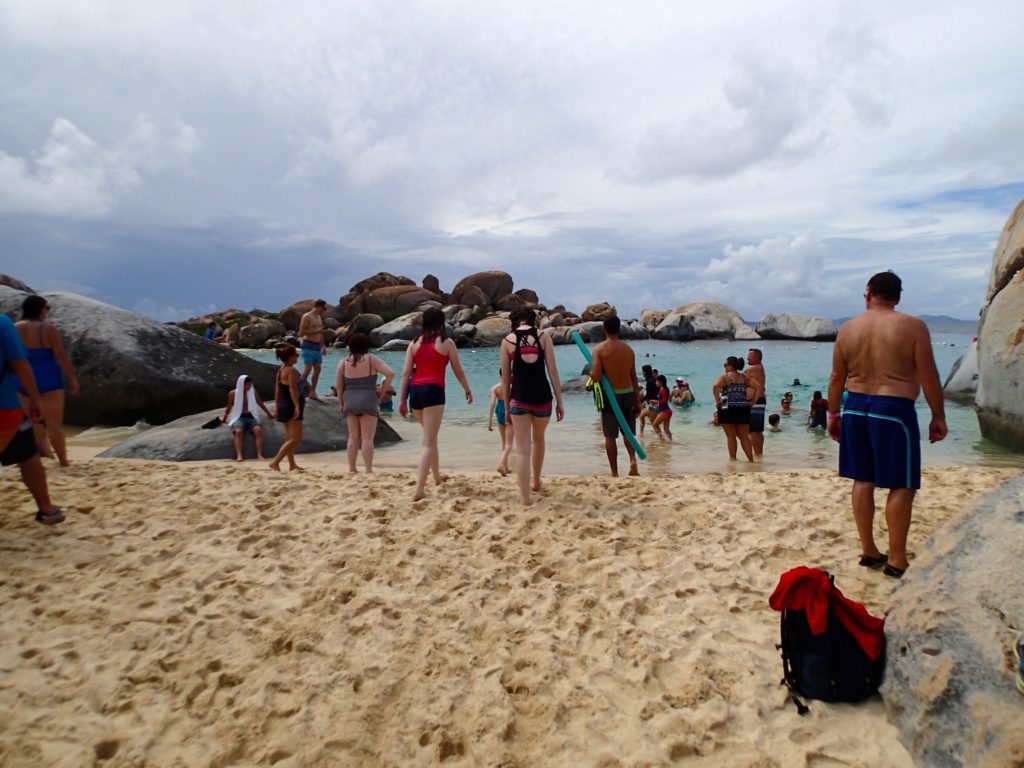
(736, 363)
(358, 345)
(433, 324)
(286, 352)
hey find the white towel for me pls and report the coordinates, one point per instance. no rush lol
(240, 405)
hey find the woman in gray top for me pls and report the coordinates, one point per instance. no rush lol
(357, 397)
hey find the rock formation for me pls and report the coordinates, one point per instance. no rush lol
(406, 327)
(949, 683)
(15, 283)
(133, 368)
(797, 327)
(598, 312)
(493, 285)
(185, 440)
(962, 382)
(698, 320)
(1000, 399)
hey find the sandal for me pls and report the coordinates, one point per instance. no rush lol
(54, 517)
(893, 571)
(873, 562)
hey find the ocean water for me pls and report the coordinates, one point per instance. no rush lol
(575, 445)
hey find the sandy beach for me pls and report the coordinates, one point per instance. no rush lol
(218, 615)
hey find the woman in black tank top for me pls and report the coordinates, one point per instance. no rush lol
(290, 402)
(733, 395)
(527, 360)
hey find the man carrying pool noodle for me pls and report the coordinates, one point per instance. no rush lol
(615, 359)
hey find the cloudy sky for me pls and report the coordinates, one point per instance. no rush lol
(174, 158)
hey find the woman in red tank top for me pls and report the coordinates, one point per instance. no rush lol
(423, 381)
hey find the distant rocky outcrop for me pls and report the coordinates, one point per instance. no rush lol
(598, 312)
(797, 328)
(699, 320)
(949, 680)
(492, 285)
(184, 439)
(999, 400)
(132, 368)
(962, 382)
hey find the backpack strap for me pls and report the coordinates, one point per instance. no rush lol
(789, 676)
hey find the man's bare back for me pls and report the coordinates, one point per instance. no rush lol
(886, 353)
(615, 359)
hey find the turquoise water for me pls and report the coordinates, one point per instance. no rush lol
(575, 446)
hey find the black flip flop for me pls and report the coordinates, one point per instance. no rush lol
(873, 562)
(893, 571)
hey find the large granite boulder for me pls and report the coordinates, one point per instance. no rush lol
(746, 333)
(491, 330)
(291, 316)
(706, 320)
(591, 331)
(396, 300)
(406, 327)
(510, 302)
(949, 681)
(1000, 405)
(797, 327)
(432, 284)
(634, 331)
(674, 327)
(474, 296)
(493, 285)
(528, 295)
(255, 334)
(962, 382)
(365, 323)
(15, 283)
(323, 429)
(132, 368)
(598, 312)
(380, 280)
(651, 318)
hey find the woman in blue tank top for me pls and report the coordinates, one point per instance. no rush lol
(50, 364)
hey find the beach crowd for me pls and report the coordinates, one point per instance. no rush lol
(882, 361)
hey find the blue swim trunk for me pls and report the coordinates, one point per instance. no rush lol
(311, 354)
(880, 441)
(499, 412)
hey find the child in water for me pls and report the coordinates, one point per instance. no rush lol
(773, 423)
(497, 413)
(663, 411)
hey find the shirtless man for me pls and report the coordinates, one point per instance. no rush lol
(614, 359)
(311, 332)
(884, 359)
(755, 371)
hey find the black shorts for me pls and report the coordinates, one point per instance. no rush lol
(425, 395)
(286, 410)
(734, 415)
(610, 424)
(21, 448)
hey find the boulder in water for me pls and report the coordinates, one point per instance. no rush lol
(797, 327)
(132, 369)
(184, 439)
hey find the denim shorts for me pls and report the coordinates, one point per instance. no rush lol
(245, 423)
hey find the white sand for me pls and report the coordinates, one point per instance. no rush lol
(214, 614)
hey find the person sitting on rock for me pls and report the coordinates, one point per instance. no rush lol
(240, 414)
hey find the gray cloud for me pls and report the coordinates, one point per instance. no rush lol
(594, 151)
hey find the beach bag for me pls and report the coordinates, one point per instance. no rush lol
(832, 648)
